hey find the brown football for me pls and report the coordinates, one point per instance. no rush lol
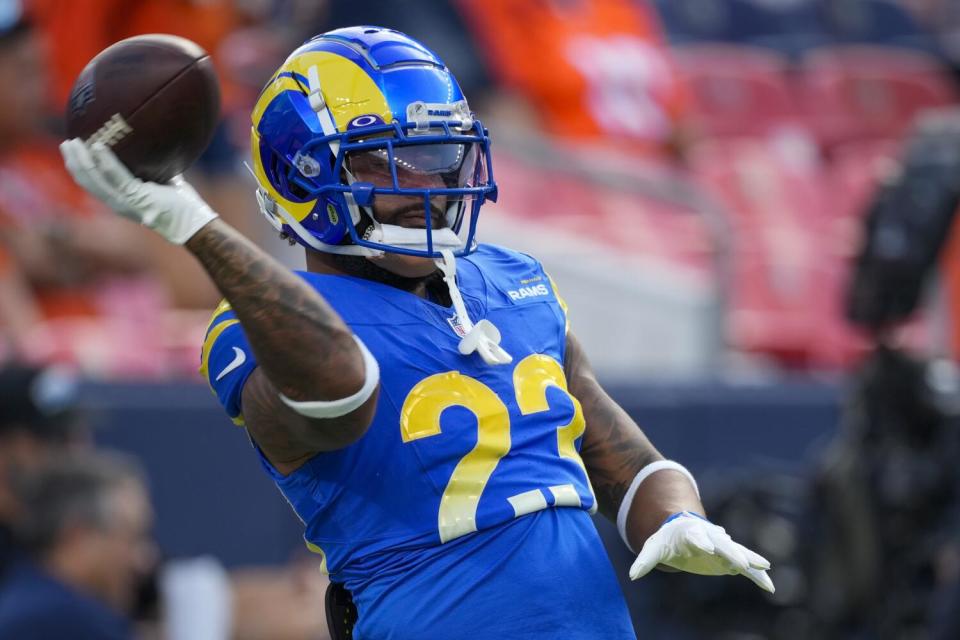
(154, 99)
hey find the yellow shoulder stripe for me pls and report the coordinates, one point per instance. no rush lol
(208, 345)
(561, 302)
(221, 308)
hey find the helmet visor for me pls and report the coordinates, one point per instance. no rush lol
(420, 166)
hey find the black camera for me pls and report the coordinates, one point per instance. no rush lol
(907, 224)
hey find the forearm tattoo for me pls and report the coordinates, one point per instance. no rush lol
(614, 448)
(300, 342)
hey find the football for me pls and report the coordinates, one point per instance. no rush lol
(154, 99)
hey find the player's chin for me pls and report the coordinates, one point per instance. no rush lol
(406, 266)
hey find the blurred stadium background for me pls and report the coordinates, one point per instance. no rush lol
(695, 174)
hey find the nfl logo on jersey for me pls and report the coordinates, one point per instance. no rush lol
(454, 322)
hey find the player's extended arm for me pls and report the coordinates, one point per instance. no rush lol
(663, 516)
(304, 350)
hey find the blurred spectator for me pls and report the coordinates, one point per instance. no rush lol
(436, 23)
(18, 313)
(37, 421)
(85, 522)
(589, 70)
(942, 18)
(188, 599)
(787, 26)
(925, 11)
(77, 31)
(879, 22)
(65, 261)
(246, 40)
(73, 282)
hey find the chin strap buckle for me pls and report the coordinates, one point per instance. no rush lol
(483, 337)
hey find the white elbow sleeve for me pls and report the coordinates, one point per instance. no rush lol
(343, 406)
(644, 473)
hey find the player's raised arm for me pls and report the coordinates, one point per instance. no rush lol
(315, 386)
(322, 379)
(654, 502)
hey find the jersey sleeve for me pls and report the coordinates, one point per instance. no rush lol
(226, 360)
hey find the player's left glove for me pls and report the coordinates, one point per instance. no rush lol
(173, 210)
(689, 542)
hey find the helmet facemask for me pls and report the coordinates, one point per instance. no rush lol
(430, 185)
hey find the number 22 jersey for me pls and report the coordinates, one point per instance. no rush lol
(464, 509)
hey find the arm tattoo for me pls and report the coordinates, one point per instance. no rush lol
(614, 448)
(303, 349)
(301, 344)
(286, 437)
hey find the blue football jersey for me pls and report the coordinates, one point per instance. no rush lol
(465, 507)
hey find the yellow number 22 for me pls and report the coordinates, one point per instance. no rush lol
(420, 418)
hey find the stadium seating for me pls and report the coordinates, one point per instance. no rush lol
(612, 214)
(713, 20)
(789, 266)
(878, 22)
(839, 94)
(737, 90)
(791, 28)
(642, 268)
(863, 92)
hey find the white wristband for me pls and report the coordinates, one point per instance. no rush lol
(343, 406)
(651, 468)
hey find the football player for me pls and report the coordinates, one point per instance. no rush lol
(418, 397)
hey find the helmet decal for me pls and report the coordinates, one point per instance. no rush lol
(366, 120)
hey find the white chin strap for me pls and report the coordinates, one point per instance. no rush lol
(397, 236)
(483, 337)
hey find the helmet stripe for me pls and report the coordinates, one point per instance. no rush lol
(343, 77)
(278, 85)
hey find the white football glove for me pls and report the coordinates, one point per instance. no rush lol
(173, 210)
(689, 542)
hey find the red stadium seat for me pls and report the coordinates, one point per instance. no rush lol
(789, 266)
(790, 246)
(762, 181)
(622, 219)
(860, 92)
(737, 90)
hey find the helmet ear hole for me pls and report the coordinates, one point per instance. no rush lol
(297, 191)
(280, 170)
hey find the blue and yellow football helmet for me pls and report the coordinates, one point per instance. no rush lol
(373, 98)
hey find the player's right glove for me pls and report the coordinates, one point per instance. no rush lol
(173, 210)
(689, 542)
